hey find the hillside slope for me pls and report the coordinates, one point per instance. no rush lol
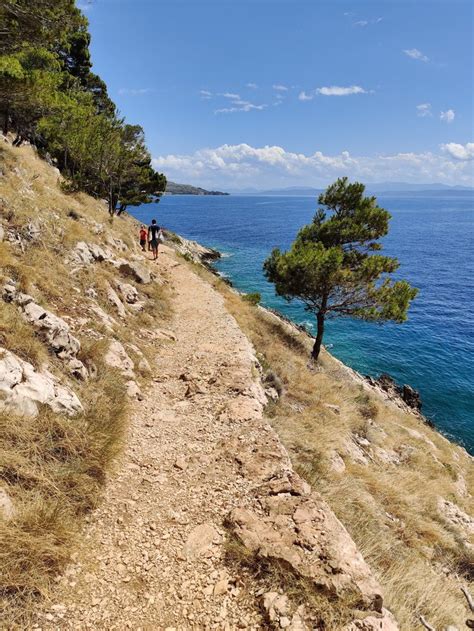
(131, 386)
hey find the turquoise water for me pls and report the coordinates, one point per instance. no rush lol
(433, 237)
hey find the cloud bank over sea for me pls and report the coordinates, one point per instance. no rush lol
(243, 165)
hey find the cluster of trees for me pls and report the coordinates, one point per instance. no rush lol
(50, 97)
(332, 267)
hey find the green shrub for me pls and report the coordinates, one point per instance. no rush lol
(253, 299)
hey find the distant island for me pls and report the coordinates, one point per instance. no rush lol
(172, 188)
(379, 188)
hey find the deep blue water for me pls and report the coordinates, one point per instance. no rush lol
(433, 237)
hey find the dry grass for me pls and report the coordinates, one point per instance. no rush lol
(53, 467)
(390, 510)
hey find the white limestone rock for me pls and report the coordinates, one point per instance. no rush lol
(23, 389)
(117, 357)
(115, 301)
(7, 508)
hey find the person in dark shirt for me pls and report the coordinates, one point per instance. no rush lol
(153, 236)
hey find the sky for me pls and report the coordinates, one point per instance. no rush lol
(236, 94)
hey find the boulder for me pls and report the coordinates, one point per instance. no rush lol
(23, 389)
(383, 622)
(115, 301)
(135, 270)
(86, 254)
(2, 233)
(133, 390)
(129, 292)
(32, 232)
(54, 330)
(105, 319)
(117, 357)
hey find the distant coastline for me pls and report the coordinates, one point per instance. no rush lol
(173, 188)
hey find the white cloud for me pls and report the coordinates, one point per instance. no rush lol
(230, 95)
(361, 23)
(134, 91)
(460, 152)
(252, 86)
(303, 96)
(279, 87)
(336, 90)
(205, 94)
(243, 165)
(424, 109)
(447, 116)
(414, 53)
(238, 105)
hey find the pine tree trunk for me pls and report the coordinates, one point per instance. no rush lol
(6, 120)
(319, 336)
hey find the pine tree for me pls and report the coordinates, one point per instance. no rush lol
(331, 266)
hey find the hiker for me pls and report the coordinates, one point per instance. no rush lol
(154, 235)
(143, 237)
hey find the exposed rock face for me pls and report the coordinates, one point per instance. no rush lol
(134, 270)
(128, 292)
(406, 393)
(23, 389)
(195, 251)
(458, 518)
(295, 526)
(87, 253)
(51, 328)
(117, 357)
(115, 301)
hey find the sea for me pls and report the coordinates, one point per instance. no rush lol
(432, 235)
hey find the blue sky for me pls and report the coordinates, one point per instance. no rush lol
(237, 93)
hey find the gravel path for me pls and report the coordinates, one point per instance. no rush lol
(153, 555)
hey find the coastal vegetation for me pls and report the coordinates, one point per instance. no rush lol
(331, 267)
(50, 97)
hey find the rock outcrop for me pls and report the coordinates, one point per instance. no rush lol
(292, 526)
(134, 270)
(23, 389)
(405, 393)
(194, 251)
(117, 357)
(87, 253)
(51, 328)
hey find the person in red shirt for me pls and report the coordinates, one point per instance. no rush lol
(143, 237)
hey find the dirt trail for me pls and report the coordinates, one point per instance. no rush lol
(152, 556)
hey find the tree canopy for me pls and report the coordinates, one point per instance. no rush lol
(332, 266)
(49, 96)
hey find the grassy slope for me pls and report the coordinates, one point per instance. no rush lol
(53, 467)
(391, 510)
